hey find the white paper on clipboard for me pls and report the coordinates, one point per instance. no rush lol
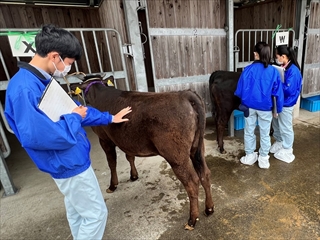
(55, 101)
(281, 72)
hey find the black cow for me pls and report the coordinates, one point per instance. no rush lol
(222, 85)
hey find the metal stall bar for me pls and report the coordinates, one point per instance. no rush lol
(244, 35)
(97, 50)
(5, 177)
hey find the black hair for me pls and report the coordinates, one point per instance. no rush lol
(51, 38)
(263, 49)
(289, 52)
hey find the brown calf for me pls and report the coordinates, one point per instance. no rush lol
(167, 124)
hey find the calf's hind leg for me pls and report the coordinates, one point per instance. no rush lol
(204, 176)
(190, 180)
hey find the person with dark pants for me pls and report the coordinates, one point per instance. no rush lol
(60, 148)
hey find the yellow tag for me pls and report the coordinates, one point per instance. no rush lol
(110, 83)
(77, 91)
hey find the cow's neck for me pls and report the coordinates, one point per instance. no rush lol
(90, 84)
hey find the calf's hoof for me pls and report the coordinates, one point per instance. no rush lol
(189, 226)
(208, 212)
(111, 189)
(222, 151)
(133, 178)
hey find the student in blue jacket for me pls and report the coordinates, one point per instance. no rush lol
(257, 85)
(60, 148)
(282, 126)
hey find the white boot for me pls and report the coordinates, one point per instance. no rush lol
(285, 155)
(276, 146)
(263, 162)
(249, 159)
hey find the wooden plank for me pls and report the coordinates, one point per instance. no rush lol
(156, 48)
(61, 21)
(223, 57)
(193, 14)
(2, 18)
(46, 16)
(185, 14)
(189, 49)
(222, 7)
(204, 54)
(173, 57)
(178, 13)
(37, 14)
(14, 11)
(6, 10)
(169, 15)
(314, 15)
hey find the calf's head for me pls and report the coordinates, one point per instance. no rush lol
(88, 81)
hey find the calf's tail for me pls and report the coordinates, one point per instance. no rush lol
(198, 142)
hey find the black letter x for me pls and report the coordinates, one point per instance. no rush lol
(29, 47)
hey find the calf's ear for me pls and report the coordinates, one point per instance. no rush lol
(74, 86)
(109, 81)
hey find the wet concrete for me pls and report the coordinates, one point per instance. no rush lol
(282, 202)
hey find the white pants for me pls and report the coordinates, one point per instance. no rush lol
(86, 210)
(264, 119)
(282, 127)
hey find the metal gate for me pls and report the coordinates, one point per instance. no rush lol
(244, 42)
(245, 39)
(311, 67)
(96, 39)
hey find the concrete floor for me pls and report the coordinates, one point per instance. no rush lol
(282, 202)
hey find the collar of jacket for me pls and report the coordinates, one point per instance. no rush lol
(257, 61)
(288, 65)
(32, 69)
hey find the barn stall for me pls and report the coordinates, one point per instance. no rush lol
(165, 45)
(300, 18)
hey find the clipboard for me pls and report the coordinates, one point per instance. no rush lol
(274, 100)
(281, 72)
(55, 101)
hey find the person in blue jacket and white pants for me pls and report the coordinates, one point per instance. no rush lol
(60, 148)
(258, 84)
(282, 126)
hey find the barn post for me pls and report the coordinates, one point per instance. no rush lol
(133, 30)
(301, 6)
(5, 178)
(229, 27)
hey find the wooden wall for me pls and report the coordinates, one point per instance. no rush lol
(311, 72)
(109, 15)
(21, 16)
(266, 15)
(181, 56)
(186, 56)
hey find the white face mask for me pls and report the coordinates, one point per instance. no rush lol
(65, 71)
(278, 62)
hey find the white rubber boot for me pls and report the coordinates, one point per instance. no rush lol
(263, 162)
(249, 159)
(276, 146)
(285, 155)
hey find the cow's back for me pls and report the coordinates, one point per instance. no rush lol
(156, 119)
